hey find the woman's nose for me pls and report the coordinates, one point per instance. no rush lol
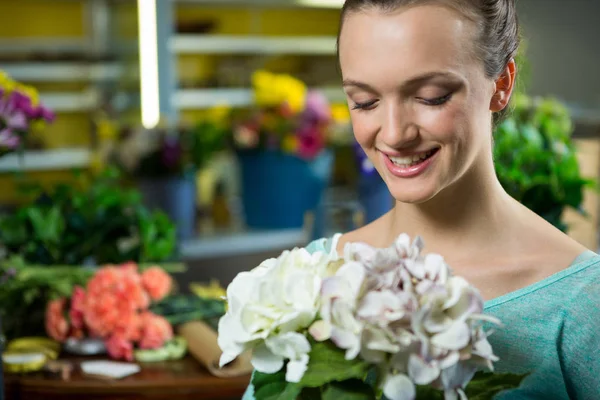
(398, 130)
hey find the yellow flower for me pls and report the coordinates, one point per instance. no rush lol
(290, 143)
(272, 90)
(6, 83)
(340, 113)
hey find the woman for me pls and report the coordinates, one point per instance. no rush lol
(423, 80)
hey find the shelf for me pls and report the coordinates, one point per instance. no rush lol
(186, 99)
(223, 44)
(69, 101)
(63, 71)
(14, 46)
(242, 243)
(46, 160)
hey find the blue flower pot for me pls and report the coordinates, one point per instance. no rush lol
(176, 197)
(374, 196)
(278, 188)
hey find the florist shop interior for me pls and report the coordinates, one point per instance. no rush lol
(151, 150)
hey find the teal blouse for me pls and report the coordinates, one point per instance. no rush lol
(551, 330)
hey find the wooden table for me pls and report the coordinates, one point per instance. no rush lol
(173, 380)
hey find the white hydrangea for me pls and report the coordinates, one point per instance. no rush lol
(269, 306)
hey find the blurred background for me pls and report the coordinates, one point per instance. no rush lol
(215, 133)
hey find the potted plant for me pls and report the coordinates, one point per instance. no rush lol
(165, 162)
(536, 159)
(54, 242)
(281, 144)
(20, 113)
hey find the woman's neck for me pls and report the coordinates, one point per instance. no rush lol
(469, 213)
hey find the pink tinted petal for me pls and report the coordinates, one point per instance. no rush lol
(421, 372)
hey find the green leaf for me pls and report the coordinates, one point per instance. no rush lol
(274, 387)
(328, 363)
(485, 385)
(353, 389)
(429, 393)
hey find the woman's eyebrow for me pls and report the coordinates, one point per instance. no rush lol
(412, 82)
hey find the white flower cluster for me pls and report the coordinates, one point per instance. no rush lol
(269, 309)
(394, 308)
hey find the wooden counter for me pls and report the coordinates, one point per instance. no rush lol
(173, 380)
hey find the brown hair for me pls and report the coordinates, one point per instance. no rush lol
(497, 21)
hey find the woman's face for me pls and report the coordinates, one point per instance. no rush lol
(419, 98)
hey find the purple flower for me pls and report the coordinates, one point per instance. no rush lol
(9, 139)
(42, 112)
(317, 108)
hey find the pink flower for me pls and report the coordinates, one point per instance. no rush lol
(156, 282)
(57, 326)
(156, 330)
(310, 142)
(77, 307)
(317, 107)
(119, 348)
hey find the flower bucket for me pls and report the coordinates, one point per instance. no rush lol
(176, 197)
(374, 196)
(278, 188)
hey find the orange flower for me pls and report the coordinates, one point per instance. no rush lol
(77, 307)
(114, 294)
(57, 326)
(101, 314)
(156, 282)
(156, 330)
(129, 325)
(119, 348)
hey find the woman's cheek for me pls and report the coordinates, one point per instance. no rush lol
(439, 123)
(365, 128)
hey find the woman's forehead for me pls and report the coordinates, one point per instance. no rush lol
(422, 37)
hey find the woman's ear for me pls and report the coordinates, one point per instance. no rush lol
(504, 87)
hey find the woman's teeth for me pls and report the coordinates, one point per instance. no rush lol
(412, 160)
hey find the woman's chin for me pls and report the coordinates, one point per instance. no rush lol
(412, 194)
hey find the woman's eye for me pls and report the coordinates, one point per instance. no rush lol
(437, 101)
(364, 106)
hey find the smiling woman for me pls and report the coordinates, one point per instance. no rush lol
(425, 80)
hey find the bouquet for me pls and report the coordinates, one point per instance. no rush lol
(20, 112)
(114, 307)
(387, 322)
(288, 117)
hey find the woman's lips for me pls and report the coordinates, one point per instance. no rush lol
(409, 166)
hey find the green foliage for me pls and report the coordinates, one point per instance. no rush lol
(536, 160)
(330, 377)
(327, 363)
(486, 385)
(77, 224)
(26, 290)
(178, 309)
(49, 242)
